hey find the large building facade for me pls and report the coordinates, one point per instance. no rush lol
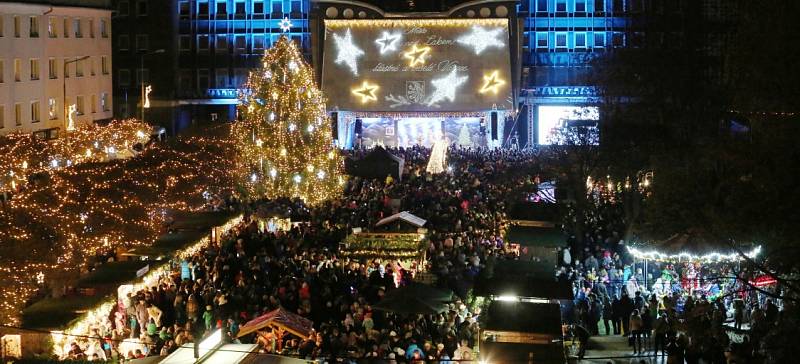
(53, 55)
(195, 54)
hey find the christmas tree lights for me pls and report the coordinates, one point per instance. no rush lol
(284, 141)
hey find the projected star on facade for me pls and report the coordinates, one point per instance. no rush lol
(366, 92)
(445, 87)
(285, 25)
(491, 83)
(388, 42)
(347, 51)
(417, 55)
(481, 39)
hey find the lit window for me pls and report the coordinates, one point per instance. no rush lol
(104, 102)
(66, 27)
(599, 39)
(104, 65)
(580, 40)
(16, 26)
(18, 114)
(51, 27)
(34, 69)
(104, 28)
(35, 112)
(91, 28)
(94, 104)
(52, 108)
(79, 105)
(561, 40)
(17, 69)
(78, 30)
(79, 68)
(541, 39)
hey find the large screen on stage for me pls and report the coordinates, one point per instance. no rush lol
(420, 65)
(554, 117)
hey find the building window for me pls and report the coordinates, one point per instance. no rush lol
(600, 6)
(52, 108)
(184, 79)
(66, 69)
(277, 7)
(35, 107)
(580, 6)
(124, 77)
(183, 8)
(541, 6)
(580, 40)
(258, 42)
(296, 6)
(18, 114)
(91, 66)
(34, 27)
(222, 79)
(142, 76)
(222, 43)
(104, 65)
(185, 43)
(80, 109)
(123, 42)
(78, 30)
(124, 8)
(241, 42)
(34, 69)
(239, 7)
(16, 26)
(104, 28)
(2, 71)
(202, 8)
(52, 68)
(561, 40)
(618, 39)
(2, 116)
(202, 42)
(104, 102)
(561, 6)
(599, 39)
(17, 69)
(541, 39)
(51, 27)
(1, 29)
(619, 6)
(141, 8)
(202, 79)
(79, 69)
(240, 76)
(94, 104)
(141, 42)
(66, 27)
(222, 7)
(258, 7)
(91, 28)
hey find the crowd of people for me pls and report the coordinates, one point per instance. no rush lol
(685, 311)
(252, 271)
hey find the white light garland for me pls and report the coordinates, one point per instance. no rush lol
(446, 87)
(347, 51)
(711, 257)
(481, 38)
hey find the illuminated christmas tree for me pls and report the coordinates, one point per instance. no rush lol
(284, 142)
(464, 139)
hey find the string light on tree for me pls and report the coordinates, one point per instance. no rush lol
(445, 87)
(416, 55)
(480, 39)
(347, 51)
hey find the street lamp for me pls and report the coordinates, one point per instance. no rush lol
(64, 90)
(141, 70)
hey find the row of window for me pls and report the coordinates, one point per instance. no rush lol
(586, 6)
(240, 42)
(70, 26)
(53, 67)
(572, 40)
(34, 114)
(222, 79)
(225, 7)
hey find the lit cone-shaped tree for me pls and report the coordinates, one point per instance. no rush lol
(283, 139)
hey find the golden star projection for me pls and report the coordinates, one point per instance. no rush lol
(367, 92)
(491, 83)
(416, 55)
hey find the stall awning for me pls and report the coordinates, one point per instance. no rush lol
(295, 324)
(404, 216)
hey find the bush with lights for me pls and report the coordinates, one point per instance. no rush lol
(284, 142)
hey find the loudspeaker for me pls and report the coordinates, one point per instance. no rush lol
(335, 125)
(358, 126)
(494, 125)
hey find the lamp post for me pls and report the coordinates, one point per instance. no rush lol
(64, 90)
(141, 70)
